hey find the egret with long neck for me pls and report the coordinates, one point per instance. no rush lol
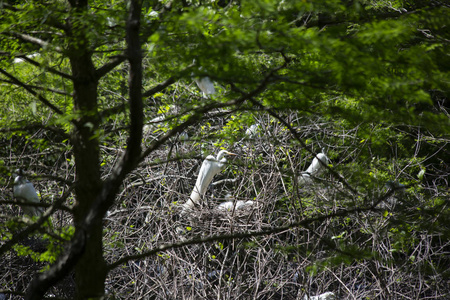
(317, 166)
(210, 167)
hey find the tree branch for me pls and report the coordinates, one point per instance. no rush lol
(35, 226)
(195, 117)
(35, 126)
(171, 80)
(51, 70)
(303, 223)
(110, 188)
(105, 198)
(304, 146)
(31, 91)
(371, 15)
(159, 87)
(40, 88)
(33, 40)
(103, 70)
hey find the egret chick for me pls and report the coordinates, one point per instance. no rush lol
(230, 205)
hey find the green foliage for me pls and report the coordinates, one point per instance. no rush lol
(363, 79)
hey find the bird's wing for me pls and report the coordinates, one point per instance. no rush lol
(312, 166)
(206, 85)
(204, 178)
(226, 205)
(304, 178)
(316, 166)
(26, 192)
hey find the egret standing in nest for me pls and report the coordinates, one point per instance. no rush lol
(210, 167)
(25, 191)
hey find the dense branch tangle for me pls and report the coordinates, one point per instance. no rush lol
(283, 77)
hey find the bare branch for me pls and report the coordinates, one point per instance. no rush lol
(159, 87)
(242, 235)
(51, 70)
(103, 70)
(33, 40)
(35, 126)
(36, 87)
(104, 200)
(303, 144)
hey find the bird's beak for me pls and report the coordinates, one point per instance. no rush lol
(231, 153)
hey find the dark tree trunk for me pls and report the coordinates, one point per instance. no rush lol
(93, 196)
(90, 270)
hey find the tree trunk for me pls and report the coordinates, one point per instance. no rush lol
(90, 271)
(93, 196)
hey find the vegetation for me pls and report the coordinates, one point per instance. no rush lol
(97, 95)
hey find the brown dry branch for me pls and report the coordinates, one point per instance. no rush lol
(208, 261)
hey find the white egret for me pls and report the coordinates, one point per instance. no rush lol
(324, 296)
(315, 169)
(210, 167)
(230, 205)
(25, 191)
(252, 131)
(206, 85)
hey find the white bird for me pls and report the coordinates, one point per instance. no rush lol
(315, 169)
(324, 296)
(19, 59)
(158, 125)
(210, 167)
(25, 191)
(230, 205)
(206, 86)
(252, 131)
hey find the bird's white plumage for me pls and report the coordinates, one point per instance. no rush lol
(304, 178)
(315, 169)
(210, 167)
(324, 296)
(206, 85)
(19, 59)
(252, 131)
(230, 205)
(25, 191)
